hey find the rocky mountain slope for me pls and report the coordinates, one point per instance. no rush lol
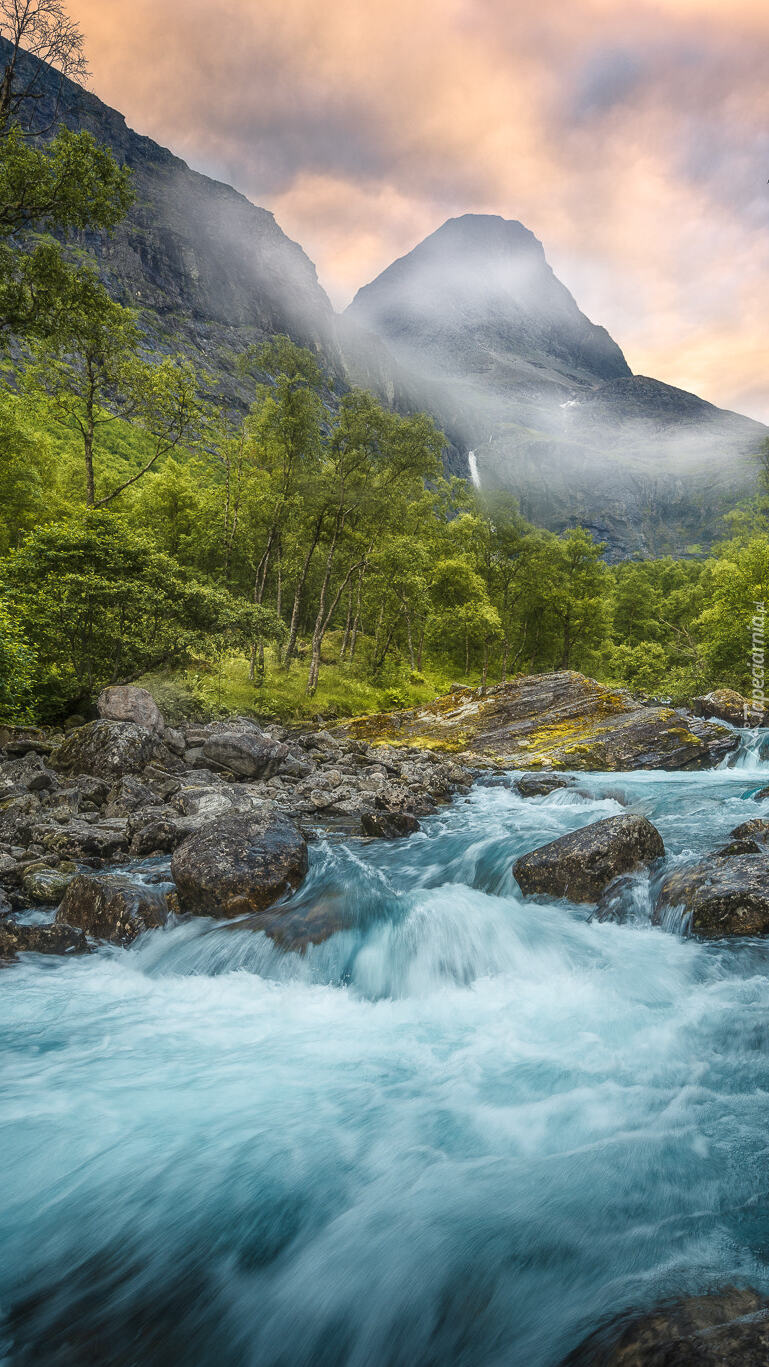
(209, 270)
(546, 400)
(472, 325)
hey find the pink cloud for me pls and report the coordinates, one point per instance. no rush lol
(635, 144)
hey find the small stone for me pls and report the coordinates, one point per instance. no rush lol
(46, 886)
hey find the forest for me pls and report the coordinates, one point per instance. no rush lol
(303, 556)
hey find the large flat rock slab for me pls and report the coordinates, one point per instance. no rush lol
(553, 721)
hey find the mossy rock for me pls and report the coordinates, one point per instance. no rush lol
(552, 721)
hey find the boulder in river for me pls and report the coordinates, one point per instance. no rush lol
(756, 829)
(728, 1328)
(389, 825)
(112, 908)
(16, 938)
(722, 897)
(249, 754)
(581, 865)
(736, 847)
(107, 749)
(46, 885)
(539, 785)
(553, 721)
(126, 702)
(239, 864)
(724, 704)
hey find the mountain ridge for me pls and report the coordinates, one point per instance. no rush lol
(472, 324)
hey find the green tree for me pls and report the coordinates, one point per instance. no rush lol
(91, 370)
(577, 596)
(98, 604)
(17, 670)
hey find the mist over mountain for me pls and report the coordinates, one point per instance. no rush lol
(477, 300)
(546, 400)
(472, 325)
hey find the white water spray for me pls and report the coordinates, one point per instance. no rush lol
(474, 473)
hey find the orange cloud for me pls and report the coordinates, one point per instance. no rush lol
(635, 144)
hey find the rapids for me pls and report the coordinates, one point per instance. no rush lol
(465, 1130)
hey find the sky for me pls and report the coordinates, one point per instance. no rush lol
(633, 140)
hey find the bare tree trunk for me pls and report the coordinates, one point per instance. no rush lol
(356, 621)
(420, 649)
(409, 638)
(505, 654)
(382, 656)
(485, 673)
(299, 590)
(317, 635)
(522, 646)
(347, 627)
(322, 623)
(90, 490)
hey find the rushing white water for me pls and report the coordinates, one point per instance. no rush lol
(472, 462)
(462, 1131)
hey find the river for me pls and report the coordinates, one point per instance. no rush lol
(464, 1132)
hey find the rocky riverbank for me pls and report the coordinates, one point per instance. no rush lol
(233, 804)
(553, 721)
(76, 808)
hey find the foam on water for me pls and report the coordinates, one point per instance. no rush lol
(462, 1130)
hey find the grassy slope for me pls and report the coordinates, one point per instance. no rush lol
(344, 691)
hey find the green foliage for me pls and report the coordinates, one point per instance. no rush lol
(26, 473)
(72, 184)
(90, 369)
(98, 604)
(17, 670)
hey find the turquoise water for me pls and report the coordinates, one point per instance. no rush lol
(465, 1130)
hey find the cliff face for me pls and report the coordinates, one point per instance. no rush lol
(208, 268)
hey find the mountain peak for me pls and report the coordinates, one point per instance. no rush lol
(478, 296)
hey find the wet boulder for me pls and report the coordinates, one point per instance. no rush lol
(729, 1328)
(723, 897)
(239, 864)
(107, 749)
(16, 939)
(248, 754)
(736, 847)
(46, 886)
(126, 702)
(581, 865)
(112, 908)
(389, 825)
(724, 704)
(757, 829)
(538, 785)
